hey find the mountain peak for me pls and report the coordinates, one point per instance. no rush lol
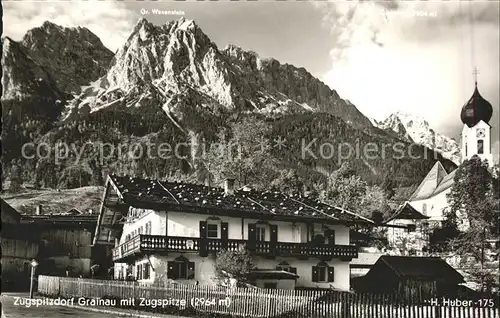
(415, 128)
(50, 25)
(76, 54)
(186, 24)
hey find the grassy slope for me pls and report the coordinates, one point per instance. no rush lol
(54, 201)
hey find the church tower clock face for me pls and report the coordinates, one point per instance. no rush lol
(480, 133)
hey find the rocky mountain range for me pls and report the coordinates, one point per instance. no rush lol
(416, 129)
(176, 65)
(63, 85)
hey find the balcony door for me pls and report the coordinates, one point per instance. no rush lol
(260, 233)
(297, 234)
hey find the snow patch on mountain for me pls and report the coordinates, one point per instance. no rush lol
(416, 129)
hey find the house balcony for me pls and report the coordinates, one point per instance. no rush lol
(159, 244)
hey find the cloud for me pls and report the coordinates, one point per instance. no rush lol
(111, 21)
(413, 56)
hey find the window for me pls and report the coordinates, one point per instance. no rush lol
(411, 228)
(143, 271)
(322, 273)
(424, 208)
(212, 230)
(270, 285)
(466, 149)
(180, 268)
(480, 147)
(260, 234)
(330, 237)
(148, 228)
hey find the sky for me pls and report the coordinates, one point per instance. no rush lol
(415, 57)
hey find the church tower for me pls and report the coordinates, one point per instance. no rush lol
(476, 134)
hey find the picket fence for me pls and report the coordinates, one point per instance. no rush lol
(243, 302)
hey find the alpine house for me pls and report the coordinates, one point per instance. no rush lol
(165, 231)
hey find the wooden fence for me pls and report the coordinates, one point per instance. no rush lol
(241, 302)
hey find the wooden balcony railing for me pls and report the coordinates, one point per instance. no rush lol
(159, 243)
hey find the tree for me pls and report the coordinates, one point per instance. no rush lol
(347, 190)
(474, 203)
(344, 188)
(234, 264)
(74, 176)
(15, 176)
(243, 153)
(388, 186)
(288, 181)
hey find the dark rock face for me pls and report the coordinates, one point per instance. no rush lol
(22, 77)
(74, 56)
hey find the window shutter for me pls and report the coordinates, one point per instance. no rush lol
(331, 276)
(330, 234)
(171, 271)
(190, 269)
(252, 236)
(315, 274)
(293, 270)
(203, 252)
(274, 233)
(224, 234)
(146, 271)
(203, 229)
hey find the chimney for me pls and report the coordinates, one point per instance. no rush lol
(229, 186)
(38, 209)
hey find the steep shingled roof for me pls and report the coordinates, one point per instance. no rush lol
(165, 195)
(436, 181)
(407, 212)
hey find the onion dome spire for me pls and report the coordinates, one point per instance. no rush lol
(476, 109)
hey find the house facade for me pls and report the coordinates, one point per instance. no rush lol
(18, 250)
(65, 243)
(409, 231)
(61, 243)
(172, 231)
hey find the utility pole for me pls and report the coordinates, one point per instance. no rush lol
(34, 264)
